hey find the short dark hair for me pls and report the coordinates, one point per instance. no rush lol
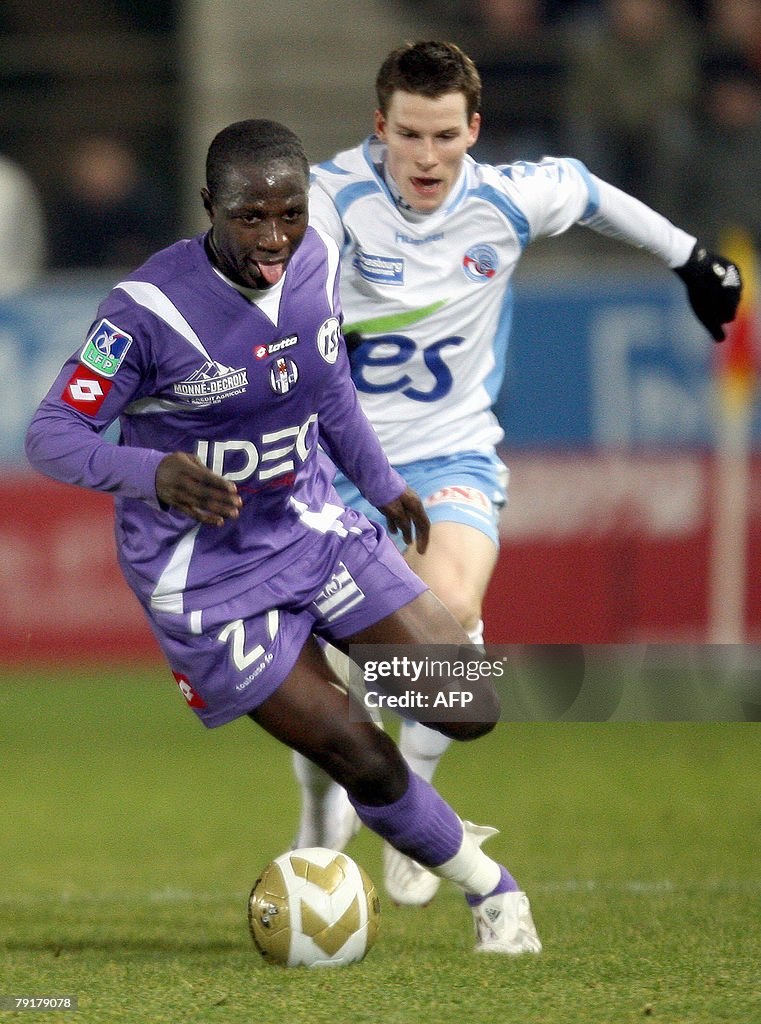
(429, 69)
(252, 141)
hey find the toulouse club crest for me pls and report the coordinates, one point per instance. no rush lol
(328, 339)
(283, 375)
(480, 262)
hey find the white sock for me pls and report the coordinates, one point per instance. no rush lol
(314, 784)
(470, 868)
(327, 817)
(422, 748)
(476, 635)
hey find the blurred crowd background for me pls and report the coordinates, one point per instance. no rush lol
(105, 103)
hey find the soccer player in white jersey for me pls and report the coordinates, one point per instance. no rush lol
(429, 240)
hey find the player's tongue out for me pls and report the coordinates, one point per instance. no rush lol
(271, 272)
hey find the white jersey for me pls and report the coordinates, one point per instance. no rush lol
(430, 294)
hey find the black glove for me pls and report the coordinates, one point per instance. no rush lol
(714, 287)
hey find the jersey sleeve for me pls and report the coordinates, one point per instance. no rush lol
(556, 193)
(323, 214)
(619, 215)
(350, 440)
(551, 195)
(65, 438)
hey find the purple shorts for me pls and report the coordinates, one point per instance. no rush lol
(244, 649)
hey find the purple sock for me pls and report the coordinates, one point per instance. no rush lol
(420, 824)
(506, 883)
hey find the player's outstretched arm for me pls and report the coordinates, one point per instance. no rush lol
(713, 283)
(184, 483)
(714, 287)
(404, 513)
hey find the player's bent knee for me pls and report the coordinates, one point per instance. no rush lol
(483, 710)
(463, 731)
(373, 772)
(466, 608)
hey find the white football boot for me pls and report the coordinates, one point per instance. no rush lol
(504, 925)
(407, 882)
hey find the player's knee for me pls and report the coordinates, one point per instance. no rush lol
(373, 772)
(463, 731)
(464, 606)
(478, 713)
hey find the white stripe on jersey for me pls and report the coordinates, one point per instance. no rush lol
(334, 257)
(152, 298)
(170, 587)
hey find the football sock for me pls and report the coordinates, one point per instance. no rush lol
(506, 883)
(422, 748)
(476, 635)
(476, 874)
(324, 805)
(422, 825)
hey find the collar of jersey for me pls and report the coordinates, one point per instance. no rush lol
(252, 294)
(266, 300)
(374, 152)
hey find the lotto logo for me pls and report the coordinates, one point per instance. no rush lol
(188, 692)
(85, 392)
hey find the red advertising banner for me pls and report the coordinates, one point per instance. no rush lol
(62, 595)
(596, 549)
(615, 548)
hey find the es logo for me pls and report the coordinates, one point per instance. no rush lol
(373, 360)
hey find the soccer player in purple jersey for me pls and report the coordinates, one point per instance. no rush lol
(223, 360)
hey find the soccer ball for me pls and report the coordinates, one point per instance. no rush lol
(313, 908)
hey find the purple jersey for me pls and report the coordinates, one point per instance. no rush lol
(188, 363)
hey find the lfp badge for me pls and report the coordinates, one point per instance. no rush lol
(106, 348)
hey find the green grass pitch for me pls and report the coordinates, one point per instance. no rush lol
(130, 837)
